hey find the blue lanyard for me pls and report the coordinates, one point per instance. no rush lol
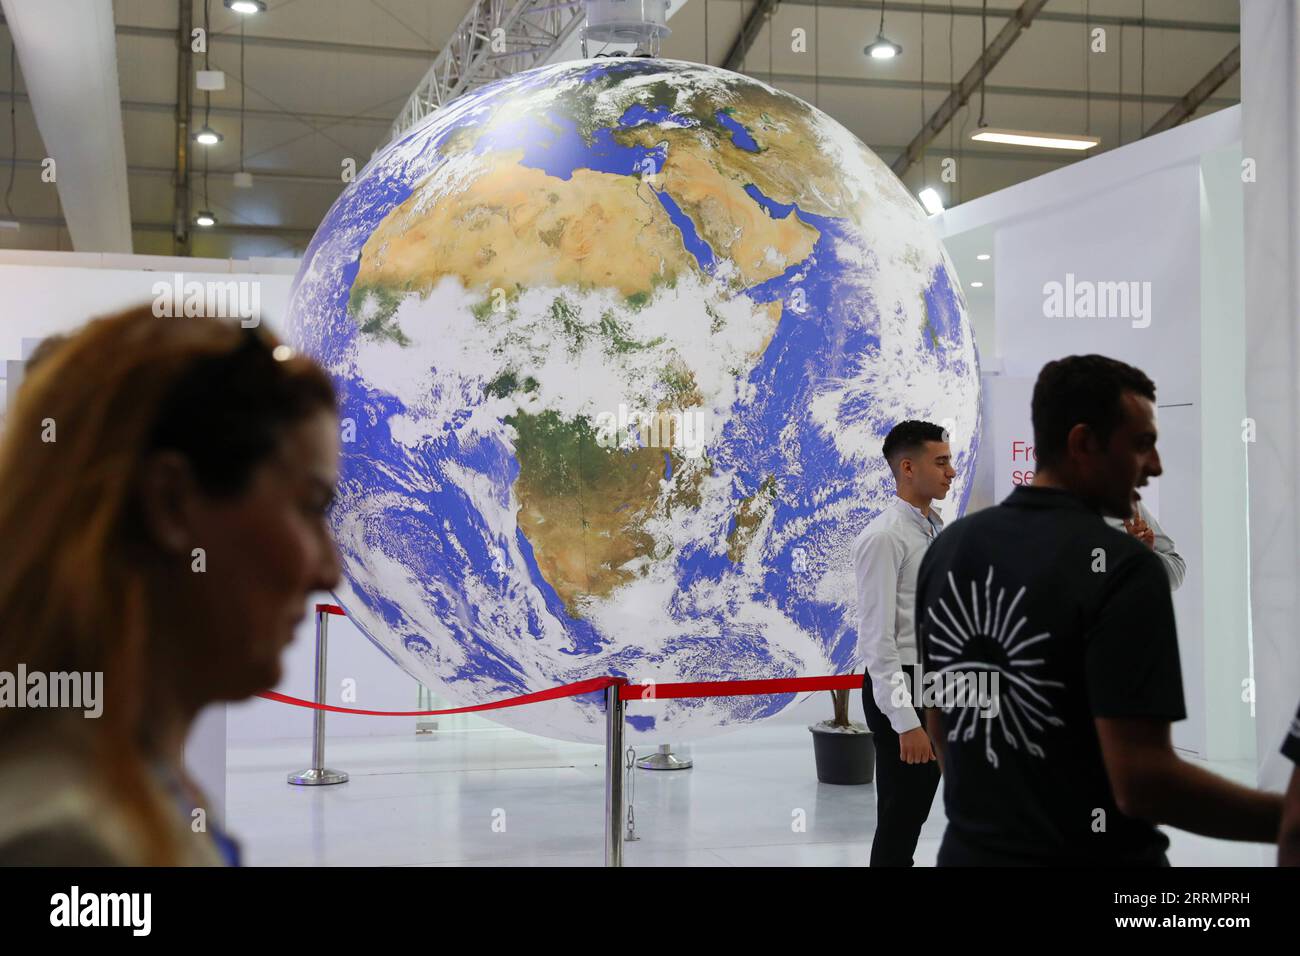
(226, 845)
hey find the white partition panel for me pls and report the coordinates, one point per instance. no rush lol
(1270, 40)
(47, 293)
(1133, 254)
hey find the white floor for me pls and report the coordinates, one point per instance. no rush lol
(498, 797)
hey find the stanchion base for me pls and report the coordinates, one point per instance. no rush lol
(665, 759)
(317, 778)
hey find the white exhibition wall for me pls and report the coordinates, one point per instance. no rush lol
(47, 293)
(50, 292)
(1145, 236)
(1136, 254)
(1270, 93)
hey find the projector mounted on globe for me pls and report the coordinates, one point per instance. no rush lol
(620, 340)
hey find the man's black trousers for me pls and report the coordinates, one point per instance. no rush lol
(904, 792)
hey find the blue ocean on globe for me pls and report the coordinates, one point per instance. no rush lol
(616, 343)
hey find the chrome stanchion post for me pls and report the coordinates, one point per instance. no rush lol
(317, 774)
(614, 775)
(665, 759)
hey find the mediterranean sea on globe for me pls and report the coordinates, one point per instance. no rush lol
(616, 344)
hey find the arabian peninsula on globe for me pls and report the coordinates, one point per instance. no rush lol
(616, 343)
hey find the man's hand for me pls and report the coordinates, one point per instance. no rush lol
(914, 746)
(1140, 530)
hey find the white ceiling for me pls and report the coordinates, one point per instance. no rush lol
(325, 78)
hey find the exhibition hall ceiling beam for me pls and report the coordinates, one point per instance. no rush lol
(1200, 93)
(77, 112)
(167, 172)
(749, 31)
(989, 58)
(1097, 19)
(287, 43)
(236, 229)
(279, 176)
(328, 119)
(228, 229)
(1045, 92)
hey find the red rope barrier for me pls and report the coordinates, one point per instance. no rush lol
(724, 688)
(741, 688)
(564, 690)
(721, 688)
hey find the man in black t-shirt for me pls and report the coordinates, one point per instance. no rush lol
(1066, 625)
(1288, 841)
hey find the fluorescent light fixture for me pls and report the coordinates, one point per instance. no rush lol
(209, 80)
(977, 285)
(242, 179)
(930, 200)
(207, 136)
(205, 218)
(1020, 137)
(882, 48)
(983, 257)
(246, 7)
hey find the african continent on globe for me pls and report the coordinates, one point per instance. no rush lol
(616, 344)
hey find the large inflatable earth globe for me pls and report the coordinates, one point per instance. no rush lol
(616, 344)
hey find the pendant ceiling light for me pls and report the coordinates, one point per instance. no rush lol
(882, 48)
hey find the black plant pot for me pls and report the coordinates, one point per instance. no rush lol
(844, 758)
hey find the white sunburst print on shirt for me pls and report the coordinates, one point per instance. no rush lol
(982, 637)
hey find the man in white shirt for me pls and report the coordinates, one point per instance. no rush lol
(886, 557)
(1143, 526)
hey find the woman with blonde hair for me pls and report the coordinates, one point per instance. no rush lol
(164, 485)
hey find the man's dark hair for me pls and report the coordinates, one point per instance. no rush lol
(1081, 390)
(908, 438)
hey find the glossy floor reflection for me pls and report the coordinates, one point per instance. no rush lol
(498, 797)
